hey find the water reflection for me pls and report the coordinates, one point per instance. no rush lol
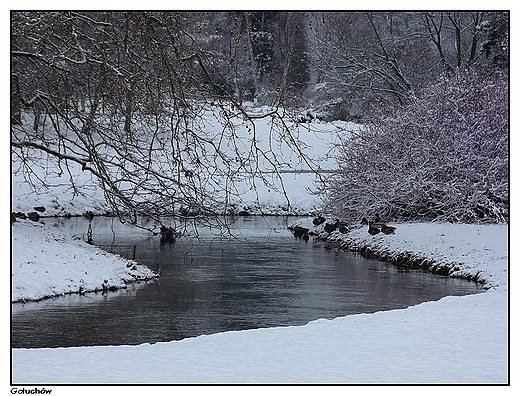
(263, 278)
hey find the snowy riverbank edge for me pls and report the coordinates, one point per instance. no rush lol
(47, 263)
(477, 252)
(456, 340)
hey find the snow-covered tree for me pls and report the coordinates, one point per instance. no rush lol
(375, 59)
(126, 96)
(441, 156)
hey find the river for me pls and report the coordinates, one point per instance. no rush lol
(263, 277)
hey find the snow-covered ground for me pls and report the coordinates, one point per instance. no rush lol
(47, 263)
(269, 196)
(472, 251)
(457, 340)
(461, 340)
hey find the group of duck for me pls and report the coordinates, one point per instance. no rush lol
(378, 225)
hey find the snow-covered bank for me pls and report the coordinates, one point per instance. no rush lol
(47, 263)
(455, 340)
(281, 190)
(471, 251)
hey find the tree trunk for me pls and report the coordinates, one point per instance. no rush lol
(16, 105)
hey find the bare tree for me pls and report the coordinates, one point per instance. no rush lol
(376, 59)
(127, 97)
(456, 36)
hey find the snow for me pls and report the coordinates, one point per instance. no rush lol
(47, 263)
(462, 340)
(267, 194)
(456, 340)
(477, 252)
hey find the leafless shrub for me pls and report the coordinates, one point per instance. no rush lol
(443, 156)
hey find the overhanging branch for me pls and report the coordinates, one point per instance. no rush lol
(82, 161)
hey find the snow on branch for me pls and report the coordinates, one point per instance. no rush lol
(442, 156)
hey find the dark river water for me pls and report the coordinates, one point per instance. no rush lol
(263, 278)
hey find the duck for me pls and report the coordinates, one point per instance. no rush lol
(331, 227)
(168, 234)
(378, 225)
(373, 230)
(388, 230)
(379, 220)
(338, 225)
